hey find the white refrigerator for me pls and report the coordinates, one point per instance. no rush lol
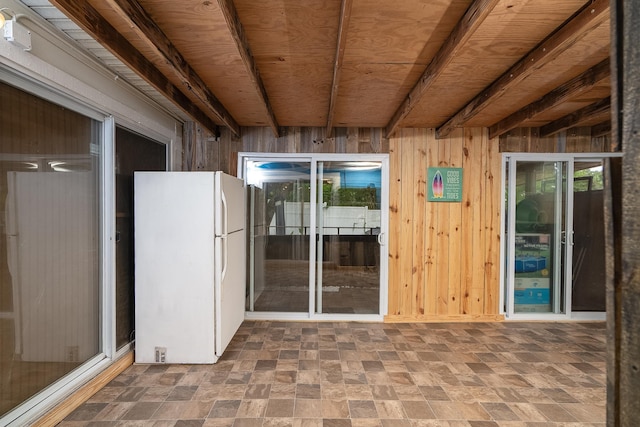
(190, 269)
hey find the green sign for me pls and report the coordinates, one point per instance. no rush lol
(444, 184)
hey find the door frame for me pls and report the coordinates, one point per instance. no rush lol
(314, 158)
(507, 249)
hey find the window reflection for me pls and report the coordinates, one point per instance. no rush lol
(49, 247)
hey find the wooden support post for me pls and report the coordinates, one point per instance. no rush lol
(623, 373)
(613, 251)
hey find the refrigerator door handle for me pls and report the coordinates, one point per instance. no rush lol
(223, 236)
(224, 256)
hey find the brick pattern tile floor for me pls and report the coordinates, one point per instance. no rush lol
(372, 374)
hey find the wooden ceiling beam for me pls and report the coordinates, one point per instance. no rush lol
(84, 15)
(562, 93)
(577, 117)
(589, 18)
(148, 31)
(234, 25)
(464, 29)
(343, 27)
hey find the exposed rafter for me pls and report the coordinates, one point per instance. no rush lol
(589, 18)
(578, 84)
(473, 17)
(577, 117)
(237, 32)
(345, 17)
(84, 15)
(154, 37)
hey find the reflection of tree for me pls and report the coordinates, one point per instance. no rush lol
(301, 192)
(593, 176)
(354, 197)
(276, 192)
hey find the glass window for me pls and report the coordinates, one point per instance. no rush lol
(49, 245)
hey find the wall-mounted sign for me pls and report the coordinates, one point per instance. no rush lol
(444, 184)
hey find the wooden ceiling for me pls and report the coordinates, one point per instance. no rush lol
(366, 63)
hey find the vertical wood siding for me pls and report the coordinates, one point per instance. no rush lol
(222, 154)
(576, 140)
(444, 257)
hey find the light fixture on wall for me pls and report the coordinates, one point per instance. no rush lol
(5, 11)
(14, 32)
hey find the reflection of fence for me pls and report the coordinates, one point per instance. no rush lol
(327, 231)
(338, 250)
(293, 219)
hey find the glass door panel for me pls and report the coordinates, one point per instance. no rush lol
(133, 153)
(588, 278)
(347, 233)
(540, 243)
(279, 220)
(50, 245)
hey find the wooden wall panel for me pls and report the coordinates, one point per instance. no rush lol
(476, 141)
(450, 251)
(419, 221)
(471, 168)
(223, 152)
(431, 232)
(455, 232)
(493, 200)
(442, 211)
(395, 189)
(407, 224)
(578, 140)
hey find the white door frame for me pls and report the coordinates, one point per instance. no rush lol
(507, 250)
(314, 159)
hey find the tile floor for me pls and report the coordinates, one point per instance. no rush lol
(372, 374)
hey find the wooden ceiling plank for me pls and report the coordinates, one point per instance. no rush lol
(601, 129)
(577, 117)
(84, 15)
(343, 27)
(239, 36)
(146, 28)
(464, 29)
(564, 92)
(589, 18)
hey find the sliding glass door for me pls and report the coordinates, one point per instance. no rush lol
(539, 240)
(51, 247)
(316, 234)
(554, 250)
